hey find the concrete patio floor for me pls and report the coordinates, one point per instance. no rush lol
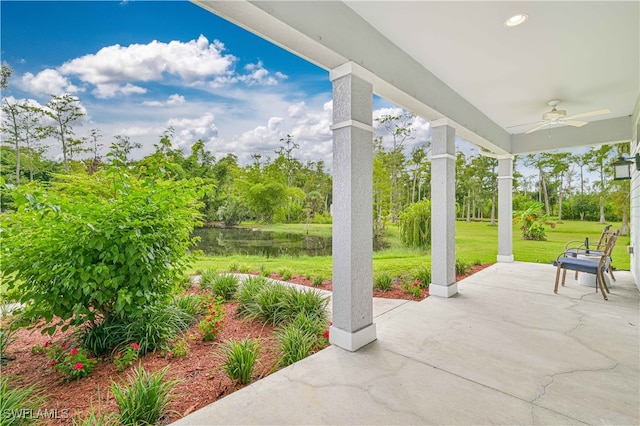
(505, 350)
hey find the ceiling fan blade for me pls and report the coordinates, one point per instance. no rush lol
(542, 126)
(526, 124)
(590, 114)
(575, 123)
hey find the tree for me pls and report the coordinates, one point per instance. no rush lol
(121, 149)
(95, 148)
(599, 159)
(5, 74)
(398, 127)
(285, 155)
(265, 198)
(418, 158)
(22, 125)
(65, 110)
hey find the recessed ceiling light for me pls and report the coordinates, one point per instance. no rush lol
(516, 20)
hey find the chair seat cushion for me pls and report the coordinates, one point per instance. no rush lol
(580, 265)
(574, 252)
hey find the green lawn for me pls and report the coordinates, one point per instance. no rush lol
(475, 242)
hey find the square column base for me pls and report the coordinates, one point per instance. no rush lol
(352, 341)
(443, 290)
(505, 259)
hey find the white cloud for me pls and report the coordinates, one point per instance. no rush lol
(189, 130)
(259, 76)
(173, 100)
(47, 82)
(109, 90)
(193, 61)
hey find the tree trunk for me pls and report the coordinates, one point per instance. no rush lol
(624, 229)
(469, 207)
(602, 218)
(560, 202)
(545, 194)
(17, 162)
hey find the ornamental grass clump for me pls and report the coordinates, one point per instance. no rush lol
(383, 282)
(17, 399)
(247, 295)
(143, 399)
(318, 280)
(225, 286)
(295, 344)
(240, 358)
(285, 273)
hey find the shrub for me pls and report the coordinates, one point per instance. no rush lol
(213, 323)
(109, 243)
(18, 399)
(462, 266)
(412, 287)
(71, 363)
(144, 398)
(232, 212)
(156, 326)
(383, 282)
(532, 221)
(180, 348)
(423, 274)
(318, 280)
(225, 286)
(415, 224)
(239, 359)
(125, 357)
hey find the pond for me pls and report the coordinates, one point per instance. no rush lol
(246, 241)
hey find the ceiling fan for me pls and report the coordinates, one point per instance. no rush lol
(559, 116)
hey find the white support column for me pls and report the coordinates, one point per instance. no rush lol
(505, 208)
(443, 210)
(352, 298)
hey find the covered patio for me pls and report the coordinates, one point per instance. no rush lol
(466, 69)
(505, 350)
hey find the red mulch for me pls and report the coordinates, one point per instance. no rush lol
(202, 381)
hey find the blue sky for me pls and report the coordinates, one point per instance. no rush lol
(140, 67)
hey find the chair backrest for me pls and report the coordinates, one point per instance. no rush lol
(608, 248)
(604, 237)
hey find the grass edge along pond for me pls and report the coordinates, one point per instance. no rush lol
(476, 242)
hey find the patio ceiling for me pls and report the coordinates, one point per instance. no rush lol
(456, 60)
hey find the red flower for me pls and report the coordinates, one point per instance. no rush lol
(78, 366)
(118, 355)
(326, 334)
(52, 363)
(64, 345)
(330, 322)
(217, 324)
(135, 346)
(415, 284)
(74, 351)
(46, 344)
(92, 359)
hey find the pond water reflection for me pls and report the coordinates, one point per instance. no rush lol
(246, 241)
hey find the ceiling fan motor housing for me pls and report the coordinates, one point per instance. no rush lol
(554, 114)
